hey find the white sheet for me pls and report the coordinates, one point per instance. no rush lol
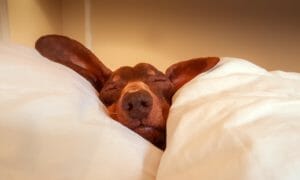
(52, 126)
(237, 121)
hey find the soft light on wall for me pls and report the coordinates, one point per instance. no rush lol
(161, 32)
(126, 32)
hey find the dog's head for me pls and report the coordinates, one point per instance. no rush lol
(138, 97)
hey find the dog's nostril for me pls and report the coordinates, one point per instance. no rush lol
(128, 106)
(145, 104)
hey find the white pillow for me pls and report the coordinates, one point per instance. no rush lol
(237, 121)
(53, 126)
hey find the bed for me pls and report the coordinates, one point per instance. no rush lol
(236, 121)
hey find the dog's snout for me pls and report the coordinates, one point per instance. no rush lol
(138, 104)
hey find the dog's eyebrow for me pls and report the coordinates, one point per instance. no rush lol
(116, 78)
(151, 72)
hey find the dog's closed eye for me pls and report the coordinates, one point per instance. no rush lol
(159, 79)
(112, 86)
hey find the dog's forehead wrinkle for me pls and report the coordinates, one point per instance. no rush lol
(124, 72)
(141, 71)
(145, 67)
(135, 86)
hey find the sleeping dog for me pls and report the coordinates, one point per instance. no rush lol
(138, 97)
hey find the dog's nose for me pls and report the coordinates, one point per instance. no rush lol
(138, 104)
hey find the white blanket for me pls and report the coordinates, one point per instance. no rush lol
(237, 121)
(53, 126)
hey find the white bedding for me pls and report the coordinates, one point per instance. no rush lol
(52, 126)
(237, 121)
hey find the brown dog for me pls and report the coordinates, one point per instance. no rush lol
(138, 97)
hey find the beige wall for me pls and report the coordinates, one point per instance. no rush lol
(126, 32)
(29, 19)
(73, 19)
(4, 26)
(161, 32)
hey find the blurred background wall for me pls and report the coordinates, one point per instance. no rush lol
(125, 32)
(30, 19)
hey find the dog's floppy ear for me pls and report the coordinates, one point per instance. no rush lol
(182, 72)
(71, 53)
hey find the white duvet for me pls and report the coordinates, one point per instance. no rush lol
(237, 121)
